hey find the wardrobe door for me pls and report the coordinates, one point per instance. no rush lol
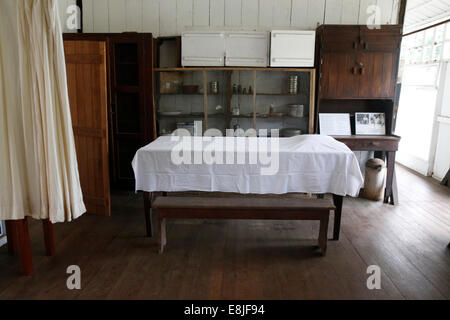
(377, 75)
(338, 76)
(378, 61)
(86, 80)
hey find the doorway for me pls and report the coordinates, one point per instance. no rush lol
(423, 72)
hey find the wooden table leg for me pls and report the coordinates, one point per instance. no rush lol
(148, 213)
(11, 234)
(338, 200)
(323, 235)
(388, 195)
(162, 233)
(24, 246)
(48, 237)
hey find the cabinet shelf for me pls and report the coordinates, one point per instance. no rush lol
(127, 63)
(188, 94)
(267, 117)
(236, 94)
(271, 94)
(180, 116)
(191, 116)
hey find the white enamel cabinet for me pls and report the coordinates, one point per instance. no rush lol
(201, 49)
(292, 48)
(246, 49)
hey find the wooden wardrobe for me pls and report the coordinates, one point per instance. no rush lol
(112, 108)
(357, 72)
(357, 69)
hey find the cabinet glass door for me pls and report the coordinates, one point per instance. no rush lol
(217, 90)
(282, 100)
(179, 100)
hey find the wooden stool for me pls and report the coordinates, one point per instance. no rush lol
(19, 241)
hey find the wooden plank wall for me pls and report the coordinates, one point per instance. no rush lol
(172, 17)
(62, 8)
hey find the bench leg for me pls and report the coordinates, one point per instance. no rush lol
(323, 235)
(162, 234)
(49, 238)
(148, 213)
(338, 200)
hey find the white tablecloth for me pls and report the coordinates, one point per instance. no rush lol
(307, 164)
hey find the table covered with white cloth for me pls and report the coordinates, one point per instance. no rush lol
(301, 164)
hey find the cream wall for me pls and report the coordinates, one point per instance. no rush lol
(172, 17)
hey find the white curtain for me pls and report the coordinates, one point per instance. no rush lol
(38, 165)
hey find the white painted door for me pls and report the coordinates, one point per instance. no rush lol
(290, 48)
(247, 49)
(442, 155)
(203, 49)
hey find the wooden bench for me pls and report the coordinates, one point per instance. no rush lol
(243, 208)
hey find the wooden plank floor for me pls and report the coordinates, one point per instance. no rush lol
(248, 259)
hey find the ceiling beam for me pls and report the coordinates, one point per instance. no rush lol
(401, 12)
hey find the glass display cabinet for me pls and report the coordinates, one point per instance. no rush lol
(231, 98)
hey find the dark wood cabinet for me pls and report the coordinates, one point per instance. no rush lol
(131, 57)
(356, 62)
(130, 100)
(357, 69)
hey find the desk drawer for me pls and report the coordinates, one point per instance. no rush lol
(370, 145)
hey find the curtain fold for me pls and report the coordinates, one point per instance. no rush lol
(38, 165)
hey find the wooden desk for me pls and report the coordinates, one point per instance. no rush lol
(385, 144)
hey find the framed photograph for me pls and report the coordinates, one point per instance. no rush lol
(334, 124)
(370, 123)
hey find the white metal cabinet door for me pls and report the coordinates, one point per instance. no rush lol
(292, 48)
(202, 49)
(246, 49)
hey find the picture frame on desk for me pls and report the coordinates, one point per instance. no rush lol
(370, 123)
(334, 124)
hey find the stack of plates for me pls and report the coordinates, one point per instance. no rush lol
(293, 84)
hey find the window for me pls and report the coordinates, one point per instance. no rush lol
(422, 55)
(425, 47)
